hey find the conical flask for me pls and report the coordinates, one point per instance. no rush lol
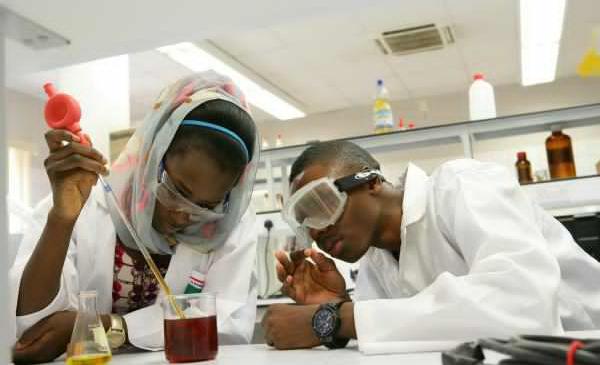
(89, 345)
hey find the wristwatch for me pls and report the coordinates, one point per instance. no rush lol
(116, 333)
(326, 324)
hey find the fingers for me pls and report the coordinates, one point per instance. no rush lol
(76, 161)
(56, 137)
(33, 334)
(299, 278)
(287, 282)
(32, 353)
(290, 271)
(298, 257)
(281, 272)
(288, 288)
(76, 149)
(89, 139)
(73, 155)
(285, 262)
(323, 262)
(32, 346)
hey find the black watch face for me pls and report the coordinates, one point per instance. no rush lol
(324, 322)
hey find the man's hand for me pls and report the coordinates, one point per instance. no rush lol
(290, 326)
(308, 283)
(46, 340)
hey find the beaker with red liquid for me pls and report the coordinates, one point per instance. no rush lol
(195, 337)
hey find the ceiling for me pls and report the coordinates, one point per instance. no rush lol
(98, 29)
(332, 62)
(324, 59)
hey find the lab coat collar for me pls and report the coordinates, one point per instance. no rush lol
(413, 210)
(415, 195)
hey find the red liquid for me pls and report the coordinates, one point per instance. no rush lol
(188, 340)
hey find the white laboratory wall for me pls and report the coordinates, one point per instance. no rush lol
(25, 130)
(4, 315)
(442, 109)
(102, 89)
(451, 108)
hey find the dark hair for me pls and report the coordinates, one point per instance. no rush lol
(228, 153)
(345, 155)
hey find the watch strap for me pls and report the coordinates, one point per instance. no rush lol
(333, 341)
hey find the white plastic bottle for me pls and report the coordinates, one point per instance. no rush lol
(279, 141)
(482, 102)
(383, 118)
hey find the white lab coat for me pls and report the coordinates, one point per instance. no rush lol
(230, 272)
(477, 259)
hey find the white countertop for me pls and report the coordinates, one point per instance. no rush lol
(262, 354)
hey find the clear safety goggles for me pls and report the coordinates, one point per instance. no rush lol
(168, 195)
(321, 202)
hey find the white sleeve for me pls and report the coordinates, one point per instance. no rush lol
(367, 286)
(232, 277)
(69, 282)
(513, 280)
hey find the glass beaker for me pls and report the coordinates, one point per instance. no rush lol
(193, 338)
(89, 345)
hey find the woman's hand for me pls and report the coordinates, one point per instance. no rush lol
(46, 340)
(73, 170)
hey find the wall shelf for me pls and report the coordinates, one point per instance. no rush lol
(514, 125)
(465, 133)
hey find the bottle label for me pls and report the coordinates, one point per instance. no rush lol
(196, 283)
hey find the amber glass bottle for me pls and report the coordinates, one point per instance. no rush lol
(523, 168)
(560, 155)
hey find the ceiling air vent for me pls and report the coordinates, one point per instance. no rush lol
(415, 39)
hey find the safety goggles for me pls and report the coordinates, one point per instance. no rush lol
(321, 202)
(168, 195)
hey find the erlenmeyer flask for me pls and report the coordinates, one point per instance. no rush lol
(89, 345)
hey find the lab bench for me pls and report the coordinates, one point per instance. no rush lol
(262, 354)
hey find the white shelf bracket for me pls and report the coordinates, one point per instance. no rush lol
(467, 141)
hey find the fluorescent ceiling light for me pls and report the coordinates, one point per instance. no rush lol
(541, 32)
(198, 60)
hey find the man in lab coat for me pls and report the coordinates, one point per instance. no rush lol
(460, 254)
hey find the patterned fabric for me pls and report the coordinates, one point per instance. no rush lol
(134, 286)
(135, 174)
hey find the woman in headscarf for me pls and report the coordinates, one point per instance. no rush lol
(184, 182)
